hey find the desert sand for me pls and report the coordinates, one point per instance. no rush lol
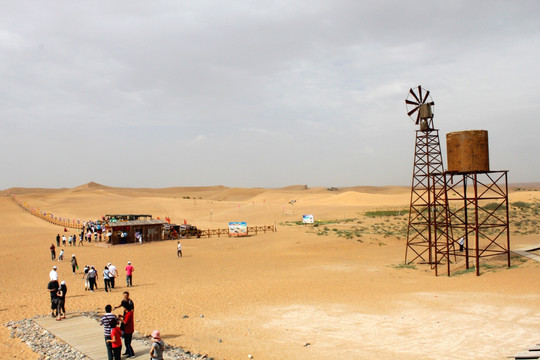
(271, 294)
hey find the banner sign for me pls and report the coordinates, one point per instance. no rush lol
(238, 228)
(307, 219)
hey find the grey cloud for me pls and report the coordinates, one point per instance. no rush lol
(268, 82)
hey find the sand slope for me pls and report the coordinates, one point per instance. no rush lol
(270, 294)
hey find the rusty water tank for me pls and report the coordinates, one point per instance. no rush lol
(467, 151)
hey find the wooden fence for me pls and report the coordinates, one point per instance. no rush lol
(78, 224)
(49, 217)
(250, 230)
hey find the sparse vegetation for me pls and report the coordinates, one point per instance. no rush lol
(383, 213)
(492, 206)
(403, 266)
(522, 205)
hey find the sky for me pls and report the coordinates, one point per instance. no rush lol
(258, 93)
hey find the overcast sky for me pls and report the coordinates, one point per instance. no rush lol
(258, 94)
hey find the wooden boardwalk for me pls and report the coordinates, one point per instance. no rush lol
(526, 252)
(86, 335)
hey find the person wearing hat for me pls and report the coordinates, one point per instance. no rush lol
(113, 273)
(156, 351)
(106, 279)
(53, 275)
(129, 274)
(92, 278)
(74, 265)
(85, 277)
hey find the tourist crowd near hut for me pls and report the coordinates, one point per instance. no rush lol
(109, 230)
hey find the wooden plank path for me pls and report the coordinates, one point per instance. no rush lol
(531, 354)
(86, 335)
(526, 252)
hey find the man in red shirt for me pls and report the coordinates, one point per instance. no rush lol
(129, 274)
(129, 327)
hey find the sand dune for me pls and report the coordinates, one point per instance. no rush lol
(270, 294)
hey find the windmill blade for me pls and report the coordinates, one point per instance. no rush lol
(411, 102)
(413, 110)
(420, 93)
(413, 94)
(418, 119)
(426, 96)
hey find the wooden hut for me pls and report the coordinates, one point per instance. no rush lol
(126, 217)
(128, 232)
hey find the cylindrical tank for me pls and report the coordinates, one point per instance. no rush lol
(467, 151)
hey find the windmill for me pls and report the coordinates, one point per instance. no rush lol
(419, 107)
(427, 161)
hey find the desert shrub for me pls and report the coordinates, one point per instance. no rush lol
(384, 213)
(522, 205)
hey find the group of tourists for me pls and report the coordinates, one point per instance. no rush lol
(70, 241)
(110, 273)
(122, 326)
(116, 328)
(96, 230)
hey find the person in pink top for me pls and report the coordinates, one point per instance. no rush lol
(129, 274)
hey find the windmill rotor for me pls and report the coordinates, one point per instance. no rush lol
(419, 105)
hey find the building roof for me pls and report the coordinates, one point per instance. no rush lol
(128, 215)
(136, 222)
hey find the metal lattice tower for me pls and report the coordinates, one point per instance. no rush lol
(427, 161)
(420, 229)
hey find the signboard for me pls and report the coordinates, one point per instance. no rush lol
(238, 228)
(307, 219)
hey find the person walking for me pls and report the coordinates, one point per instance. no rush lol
(74, 239)
(64, 240)
(128, 328)
(81, 239)
(52, 288)
(70, 239)
(113, 273)
(129, 274)
(61, 256)
(58, 240)
(53, 252)
(106, 279)
(179, 250)
(74, 265)
(61, 301)
(85, 278)
(156, 351)
(107, 323)
(92, 278)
